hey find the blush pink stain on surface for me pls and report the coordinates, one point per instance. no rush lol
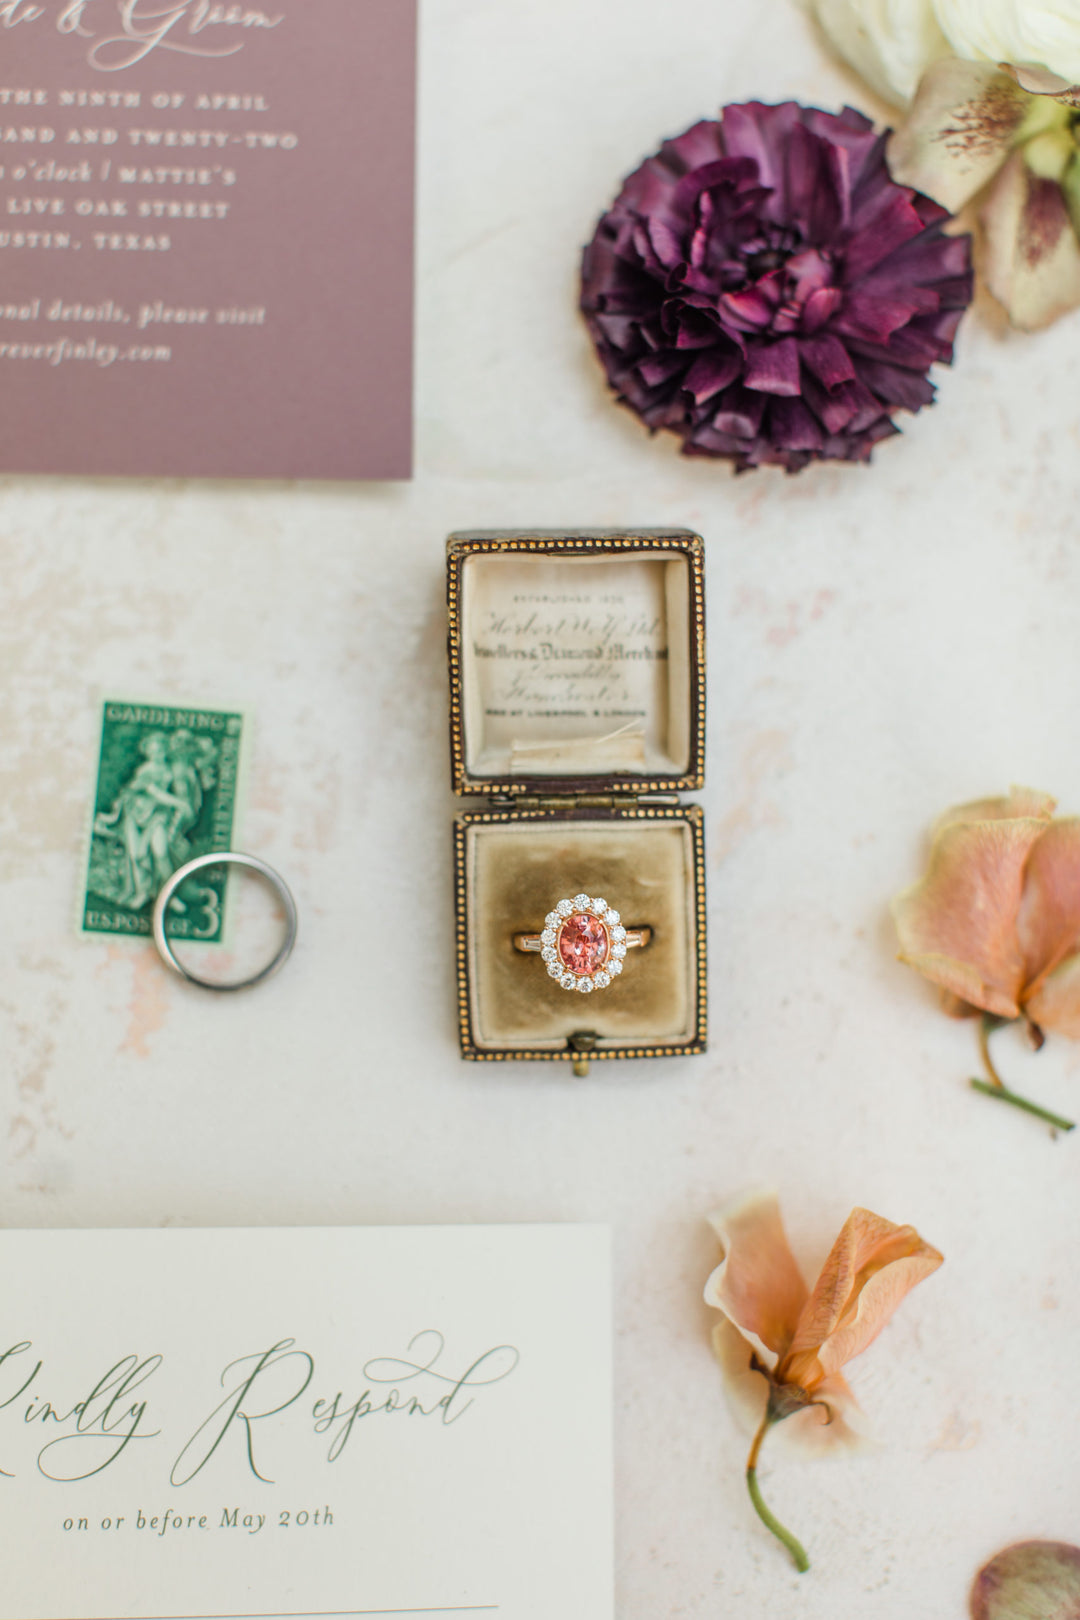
(149, 1004)
(583, 943)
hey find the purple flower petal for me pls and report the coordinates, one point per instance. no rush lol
(747, 311)
(691, 327)
(773, 368)
(619, 331)
(876, 319)
(820, 307)
(761, 133)
(895, 384)
(696, 146)
(835, 409)
(666, 243)
(818, 185)
(741, 413)
(914, 349)
(792, 426)
(810, 271)
(925, 258)
(713, 372)
(827, 359)
(661, 368)
(884, 222)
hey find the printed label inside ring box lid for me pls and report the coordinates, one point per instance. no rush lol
(576, 666)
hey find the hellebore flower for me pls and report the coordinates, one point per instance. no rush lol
(996, 920)
(779, 1344)
(1009, 138)
(996, 88)
(763, 289)
(1034, 1580)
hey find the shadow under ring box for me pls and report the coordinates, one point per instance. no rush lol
(577, 711)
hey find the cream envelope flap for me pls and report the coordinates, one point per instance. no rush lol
(289, 1423)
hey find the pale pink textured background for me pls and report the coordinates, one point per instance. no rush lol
(883, 643)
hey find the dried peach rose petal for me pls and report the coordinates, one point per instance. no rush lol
(1034, 1580)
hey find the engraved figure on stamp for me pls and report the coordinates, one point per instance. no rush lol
(144, 834)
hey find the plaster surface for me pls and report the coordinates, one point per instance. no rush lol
(883, 643)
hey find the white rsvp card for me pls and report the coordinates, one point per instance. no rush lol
(284, 1424)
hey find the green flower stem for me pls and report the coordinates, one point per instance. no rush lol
(768, 1519)
(996, 1087)
(1003, 1094)
(987, 1024)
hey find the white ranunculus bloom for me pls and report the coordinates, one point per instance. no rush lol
(891, 42)
(888, 42)
(1046, 32)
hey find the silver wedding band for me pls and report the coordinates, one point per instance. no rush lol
(224, 857)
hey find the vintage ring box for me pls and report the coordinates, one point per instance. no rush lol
(577, 712)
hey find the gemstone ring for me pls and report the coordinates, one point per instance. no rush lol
(583, 943)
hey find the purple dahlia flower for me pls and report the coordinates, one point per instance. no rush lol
(762, 288)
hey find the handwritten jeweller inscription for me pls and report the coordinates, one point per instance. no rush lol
(575, 656)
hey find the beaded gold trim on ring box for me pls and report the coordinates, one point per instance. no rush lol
(693, 816)
(568, 543)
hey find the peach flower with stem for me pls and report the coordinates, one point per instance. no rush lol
(782, 1346)
(995, 923)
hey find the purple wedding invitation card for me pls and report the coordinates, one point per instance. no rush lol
(206, 231)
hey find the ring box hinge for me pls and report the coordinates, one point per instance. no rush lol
(578, 801)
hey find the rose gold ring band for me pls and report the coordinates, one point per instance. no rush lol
(533, 942)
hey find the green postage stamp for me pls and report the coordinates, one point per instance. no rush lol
(167, 787)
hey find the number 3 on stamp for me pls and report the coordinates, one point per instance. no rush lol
(167, 788)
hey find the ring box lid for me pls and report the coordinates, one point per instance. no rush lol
(577, 661)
